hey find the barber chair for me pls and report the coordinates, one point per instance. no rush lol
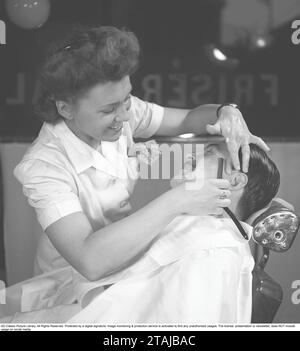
(274, 229)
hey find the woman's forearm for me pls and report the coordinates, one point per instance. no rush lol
(119, 244)
(180, 121)
(197, 119)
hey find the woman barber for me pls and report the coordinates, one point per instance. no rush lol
(76, 173)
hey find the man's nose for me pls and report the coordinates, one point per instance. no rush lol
(123, 114)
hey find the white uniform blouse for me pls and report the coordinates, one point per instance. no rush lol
(61, 175)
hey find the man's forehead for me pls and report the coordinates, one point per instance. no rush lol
(218, 145)
(219, 150)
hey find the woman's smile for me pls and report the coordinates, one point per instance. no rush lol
(116, 128)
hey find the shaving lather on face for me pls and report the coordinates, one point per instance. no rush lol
(226, 209)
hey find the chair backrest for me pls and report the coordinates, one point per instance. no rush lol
(21, 229)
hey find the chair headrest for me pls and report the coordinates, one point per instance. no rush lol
(275, 227)
(275, 201)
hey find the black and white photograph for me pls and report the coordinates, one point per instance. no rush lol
(149, 165)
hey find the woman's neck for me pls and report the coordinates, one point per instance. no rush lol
(95, 144)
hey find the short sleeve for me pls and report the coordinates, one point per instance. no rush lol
(146, 117)
(50, 190)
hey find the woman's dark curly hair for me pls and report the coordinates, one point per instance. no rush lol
(87, 58)
(263, 182)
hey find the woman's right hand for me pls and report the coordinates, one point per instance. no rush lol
(204, 200)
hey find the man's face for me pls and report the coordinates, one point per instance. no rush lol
(100, 114)
(209, 158)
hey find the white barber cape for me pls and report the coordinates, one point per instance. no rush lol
(199, 270)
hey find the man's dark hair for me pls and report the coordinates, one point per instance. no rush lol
(86, 58)
(263, 182)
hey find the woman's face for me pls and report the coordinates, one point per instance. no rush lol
(99, 115)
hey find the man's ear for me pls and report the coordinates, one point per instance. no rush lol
(238, 180)
(64, 109)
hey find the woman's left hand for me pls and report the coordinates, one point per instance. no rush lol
(233, 127)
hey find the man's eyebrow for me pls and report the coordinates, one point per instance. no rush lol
(210, 145)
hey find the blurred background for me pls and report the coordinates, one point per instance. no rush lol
(193, 52)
